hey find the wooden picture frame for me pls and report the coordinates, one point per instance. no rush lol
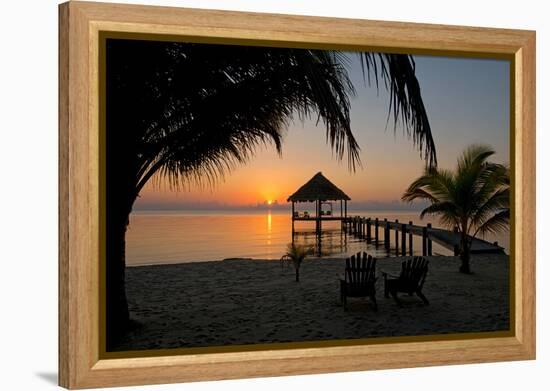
(80, 25)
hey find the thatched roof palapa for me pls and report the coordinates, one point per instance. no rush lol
(318, 188)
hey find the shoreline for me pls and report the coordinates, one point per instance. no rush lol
(309, 259)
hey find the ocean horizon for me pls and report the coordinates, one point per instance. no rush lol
(182, 236)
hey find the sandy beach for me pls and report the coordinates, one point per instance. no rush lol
(242, 301)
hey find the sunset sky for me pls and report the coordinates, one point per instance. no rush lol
(467, 102)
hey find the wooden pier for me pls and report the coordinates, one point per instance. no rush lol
(369, 229)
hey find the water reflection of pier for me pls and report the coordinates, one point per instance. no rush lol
(323, 193)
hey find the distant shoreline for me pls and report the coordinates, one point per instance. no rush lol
(286, 208)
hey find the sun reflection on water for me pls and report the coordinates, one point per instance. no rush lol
(269, 228)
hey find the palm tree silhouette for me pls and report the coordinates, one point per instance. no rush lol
(190, 113)
(475, 198)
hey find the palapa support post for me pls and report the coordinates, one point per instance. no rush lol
(424, 241)
(346, 208)
(318, 218)
(403, 239)
(410, 238)
(342, 221)
(429, 242)
(376, 231)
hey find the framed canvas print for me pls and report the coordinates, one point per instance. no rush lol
(247, 195)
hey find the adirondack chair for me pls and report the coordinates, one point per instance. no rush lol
(411, 280)
(359, 279)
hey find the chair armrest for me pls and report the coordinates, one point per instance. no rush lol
(341, 277)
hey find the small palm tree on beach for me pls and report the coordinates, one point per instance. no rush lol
(475, 197)
(297, 254)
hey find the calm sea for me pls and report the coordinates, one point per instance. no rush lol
(161, 237)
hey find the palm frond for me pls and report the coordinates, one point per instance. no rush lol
(434, 185)
(473, 157)
(297, 253)
(498, 222)
(397, 72)
(255, 98)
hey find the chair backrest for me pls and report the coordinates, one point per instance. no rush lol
(414, 272)
(360, 269)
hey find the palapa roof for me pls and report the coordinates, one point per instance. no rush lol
(318, 188)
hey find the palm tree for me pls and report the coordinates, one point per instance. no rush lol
(296, 254)
(190, 113)
(475, 198)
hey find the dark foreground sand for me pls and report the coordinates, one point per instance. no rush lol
(253, 301)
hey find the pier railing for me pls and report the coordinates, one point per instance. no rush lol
(369, 229)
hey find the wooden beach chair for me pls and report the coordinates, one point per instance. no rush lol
(359, 279)
(411, 280)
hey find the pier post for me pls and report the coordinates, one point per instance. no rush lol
(424, 241)
(396, 237)
(376, 231)
(429, 242)
(410, 238)
(368, 230)
(386, 234)
(403, 239)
